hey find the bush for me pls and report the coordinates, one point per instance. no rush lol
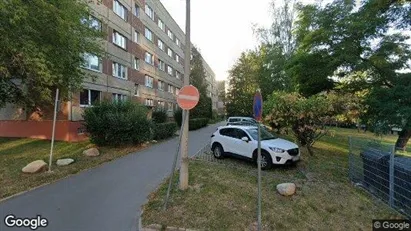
(198, 123)
(164, 130)
(117, 123)
(159, 116)
(178, 117)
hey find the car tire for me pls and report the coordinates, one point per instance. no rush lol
(266, 161)
(218, 151)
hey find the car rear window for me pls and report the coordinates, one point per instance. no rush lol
(233, 119)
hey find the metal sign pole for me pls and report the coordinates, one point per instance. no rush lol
(54, 128)
(259, 177)
(170, 182)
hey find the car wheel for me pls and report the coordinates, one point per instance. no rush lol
(218, 152)
(266, 161)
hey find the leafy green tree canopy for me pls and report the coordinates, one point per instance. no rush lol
(42, 45)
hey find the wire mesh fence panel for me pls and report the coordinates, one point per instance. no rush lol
(376, 167)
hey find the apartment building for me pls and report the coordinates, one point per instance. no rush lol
(145, 60)
(211, 84)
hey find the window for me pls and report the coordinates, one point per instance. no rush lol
(95, 23)
(161, 24)
(119, 97)
(178, 42)
(160, 44)
(149, 102)
(170, 52)
(170, 34)
(136, 36)
(178, 75)
(177, 58)
(149, 81)
(119, 40)
(149, 58)
(137, 10)
(169, 70)
(136, 90)
(177, 91)
(136, 63)
(160, 85)
(149, 12)
(149, 34)
(120, 10)
(89, 97)
(227, 132)
(161, 65)
(92, 62)
(119, 70)
(161, 104)
(171, 89)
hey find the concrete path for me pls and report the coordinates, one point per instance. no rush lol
(106, 198)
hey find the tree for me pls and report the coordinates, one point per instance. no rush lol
(42, 45)
(243, 83)
(362, 43)
(306, 118)
(198, 79)
(278, 44)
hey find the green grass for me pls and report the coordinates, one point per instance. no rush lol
(17, 153)
(223, 196)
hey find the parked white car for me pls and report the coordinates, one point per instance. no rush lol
(241, 141)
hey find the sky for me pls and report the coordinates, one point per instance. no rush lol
(221, 29)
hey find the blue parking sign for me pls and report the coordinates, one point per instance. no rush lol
(258, 106)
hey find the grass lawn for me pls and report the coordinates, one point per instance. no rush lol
(222, 194)
(16, 153)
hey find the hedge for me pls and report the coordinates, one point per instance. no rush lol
(198, 123)
(118, 123)
(164, 130)
(159, 116)
(178, 117)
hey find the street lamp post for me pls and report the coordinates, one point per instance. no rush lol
(184, 138)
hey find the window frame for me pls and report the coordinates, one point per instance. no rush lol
(149, 81)
(136, 63)
(136, 11)
(159, 41)
(123, 69)
(100, 63)
(124, 9)
(150, 12)
(148, 34)
(161, 24)
(170, 70)
(117, 97)
(151, 59)
(170, 52)
(115, 33)
(89, 102)
(161, 67)
(170, 34)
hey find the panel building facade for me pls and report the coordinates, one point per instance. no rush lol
(144, 62)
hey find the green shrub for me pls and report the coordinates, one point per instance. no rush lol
(118, 123)
(164, 130)
(197, 123)
(159, 116)
(178, 117)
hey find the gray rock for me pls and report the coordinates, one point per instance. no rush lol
(35, 167)
(64, 162)
(286, 189)
(91, 152)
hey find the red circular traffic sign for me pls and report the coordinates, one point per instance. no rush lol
(188, 97)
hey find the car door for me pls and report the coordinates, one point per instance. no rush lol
(227, 139)
(242, 148)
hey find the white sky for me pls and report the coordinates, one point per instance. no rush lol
(221, 29)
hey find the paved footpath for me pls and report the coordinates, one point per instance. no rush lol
(106, 198)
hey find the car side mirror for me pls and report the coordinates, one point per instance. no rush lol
(245, 139)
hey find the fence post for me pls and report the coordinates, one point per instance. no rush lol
(391, 196)
(350, 158)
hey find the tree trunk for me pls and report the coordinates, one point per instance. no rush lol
(403, 137)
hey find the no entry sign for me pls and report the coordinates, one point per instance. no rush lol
(188, 97)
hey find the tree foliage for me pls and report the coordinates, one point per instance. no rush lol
(42, 45)
(198, 79)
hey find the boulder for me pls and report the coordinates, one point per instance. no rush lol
(286, 189)
(64, 162)
(35, 167)
(91, 152)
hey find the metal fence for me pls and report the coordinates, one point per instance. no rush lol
(375, 166)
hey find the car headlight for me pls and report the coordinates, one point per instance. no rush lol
(278, 150)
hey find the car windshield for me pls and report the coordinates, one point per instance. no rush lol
(265, 135)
